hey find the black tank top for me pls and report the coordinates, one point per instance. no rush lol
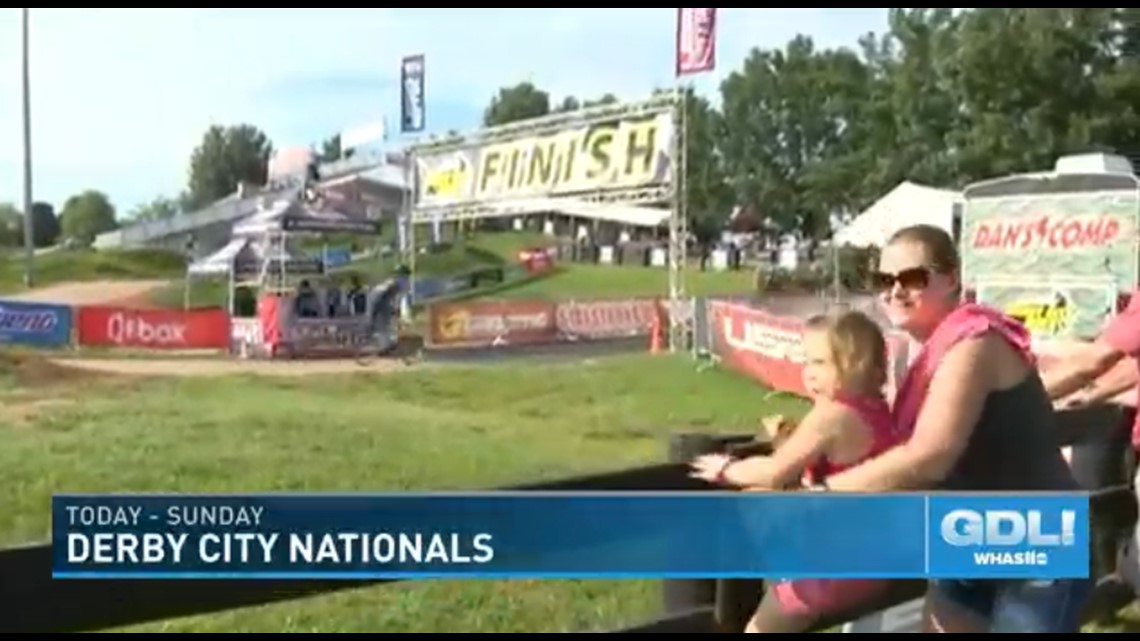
(1015, 445)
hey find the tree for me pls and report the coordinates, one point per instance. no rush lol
(86, 215)
(520, 102)
(225, 157)
(332, 151)
(158, 209)
(787, 135)
(569, 103)
(45, 225)
(708, 196)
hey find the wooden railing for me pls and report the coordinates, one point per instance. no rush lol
(34, 602)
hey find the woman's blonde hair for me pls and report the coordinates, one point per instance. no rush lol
(857, 347)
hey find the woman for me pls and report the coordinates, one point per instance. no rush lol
(978, 419)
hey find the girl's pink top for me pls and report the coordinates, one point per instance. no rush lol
(875, 413)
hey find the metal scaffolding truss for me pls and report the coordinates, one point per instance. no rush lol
(641, 196)
(547, 125)
(671, 193)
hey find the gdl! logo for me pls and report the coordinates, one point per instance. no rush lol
(1004, 529)
(1000, 539)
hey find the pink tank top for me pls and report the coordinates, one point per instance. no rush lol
(875, 413)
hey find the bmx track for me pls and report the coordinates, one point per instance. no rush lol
(132, 293)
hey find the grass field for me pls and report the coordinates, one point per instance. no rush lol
(566, 281)
(68, 265)
(456, 427)
(601, 281)
(435, 428)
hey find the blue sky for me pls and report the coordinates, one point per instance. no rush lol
(120, 97)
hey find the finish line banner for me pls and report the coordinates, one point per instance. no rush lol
(570, 535)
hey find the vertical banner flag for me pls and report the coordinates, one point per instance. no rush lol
(696, 41)
(412, 115)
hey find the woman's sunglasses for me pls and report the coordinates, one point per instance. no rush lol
(913, 279)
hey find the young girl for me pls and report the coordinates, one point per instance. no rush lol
(845, 370)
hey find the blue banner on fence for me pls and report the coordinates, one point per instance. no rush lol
(592, 535)
(34, 324)
(336, 257)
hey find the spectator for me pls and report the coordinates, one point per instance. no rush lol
(306, 304)
(976, 417)
(845, 371)
(356, 296)
(1080, 379)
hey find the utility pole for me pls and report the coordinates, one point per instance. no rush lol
(29, 237)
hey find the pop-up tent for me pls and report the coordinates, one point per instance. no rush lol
(244, 257)
(295, 216)
(907, 204)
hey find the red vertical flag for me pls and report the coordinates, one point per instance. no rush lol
(696, 41)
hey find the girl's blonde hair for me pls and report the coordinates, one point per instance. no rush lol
(857, 347)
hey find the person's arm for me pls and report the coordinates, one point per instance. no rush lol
(1120, 338)
(953, 404)
(1080, 369)
(803, 447)
(1123, 377)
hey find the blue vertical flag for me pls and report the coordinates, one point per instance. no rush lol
(412, 116)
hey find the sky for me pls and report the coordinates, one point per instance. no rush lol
(120, 97)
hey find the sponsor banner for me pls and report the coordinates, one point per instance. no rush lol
(1053, 309)
(328, 337)
(762, 346)
(492, 323)
(34, 324)
(152, 328)
(245, 331)
(1024, 250)
(604, 154)
(607, 318)
(335, 257)
(769, 348)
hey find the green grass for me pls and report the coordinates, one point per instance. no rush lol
(87, 265)
(570, 280)
(437, 428)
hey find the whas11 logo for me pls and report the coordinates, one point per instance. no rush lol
(1009, 537)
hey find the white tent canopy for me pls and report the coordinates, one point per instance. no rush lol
(221, 261)
(624, 214)
(243, 255)
(907, 204)
(291, 215)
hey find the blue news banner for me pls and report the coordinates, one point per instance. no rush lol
(565, 535)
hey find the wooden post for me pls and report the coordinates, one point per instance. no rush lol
(682, 595)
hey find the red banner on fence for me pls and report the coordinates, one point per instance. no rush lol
(487, 323)
(608, 318)
(769, 348)
(153, 329)
(762, 346)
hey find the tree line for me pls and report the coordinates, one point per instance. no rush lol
(805, 135)
(801, 134)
